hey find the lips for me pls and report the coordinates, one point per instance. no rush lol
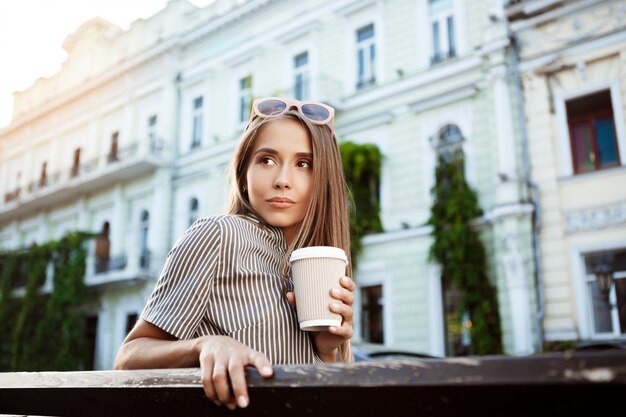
(280, 202)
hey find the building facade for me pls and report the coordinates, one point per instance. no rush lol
(573, 73)
(131, 139)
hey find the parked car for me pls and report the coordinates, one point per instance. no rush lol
(375, 353)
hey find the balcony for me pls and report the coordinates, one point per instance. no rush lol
(557, 384)
(94, 175)
(442, 56)
(121, 270)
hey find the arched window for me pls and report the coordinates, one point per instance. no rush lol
(193, 210)
(144, 226)
(449, 142)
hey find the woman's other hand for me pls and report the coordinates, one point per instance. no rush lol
(327, 343)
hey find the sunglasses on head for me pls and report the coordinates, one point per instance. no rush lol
(317, 113)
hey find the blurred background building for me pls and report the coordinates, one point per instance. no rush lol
(132, 137)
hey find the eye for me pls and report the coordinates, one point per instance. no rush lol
(304, 164)
(266, 160)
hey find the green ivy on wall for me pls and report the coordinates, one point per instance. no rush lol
(28, 323)
(362, 165)
(458, 249)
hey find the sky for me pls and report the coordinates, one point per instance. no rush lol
(32, 34)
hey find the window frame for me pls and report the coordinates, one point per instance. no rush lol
(303, 71)
(244, 98)
(371, 274)
(197, 119)
(369, 61)
(442, 19)
(565, 151)
(588, 119)
(583, 297)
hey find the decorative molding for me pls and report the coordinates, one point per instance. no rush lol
(595, 219)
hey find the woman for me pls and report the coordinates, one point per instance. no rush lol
(224, 299)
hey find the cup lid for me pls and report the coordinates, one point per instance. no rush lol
(318, 252)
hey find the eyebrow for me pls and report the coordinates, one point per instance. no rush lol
(275, 152)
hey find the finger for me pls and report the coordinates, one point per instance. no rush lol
(238, 381)
(347, 283)
(261, 363)
(345, 331)
(345, 310)
(221, 383)
(342, 294)
(206, 376)
(291, 298)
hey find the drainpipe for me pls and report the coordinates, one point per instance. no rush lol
(174, 156)
(533, 189)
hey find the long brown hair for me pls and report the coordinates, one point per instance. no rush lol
(326, 221)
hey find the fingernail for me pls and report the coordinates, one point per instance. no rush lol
(266, 370)
(332, 329)
(345, 280)
(231, 406)
(334, 306)
(335, 291)
(243, 403)
(219, 404)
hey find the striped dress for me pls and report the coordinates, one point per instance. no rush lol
(223, 277)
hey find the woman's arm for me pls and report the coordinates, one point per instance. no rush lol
(222, 360)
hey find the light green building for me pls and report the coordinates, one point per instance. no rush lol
(170, 96)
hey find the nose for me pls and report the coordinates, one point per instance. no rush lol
(283, 178)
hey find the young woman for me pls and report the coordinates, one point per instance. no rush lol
(224, 298)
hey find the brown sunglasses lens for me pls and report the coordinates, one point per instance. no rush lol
(315, 112)
(269, 107)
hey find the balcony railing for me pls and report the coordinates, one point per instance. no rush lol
(117, 263)
(100, 173)
(442, 56)
(554, 385)
(13, 195)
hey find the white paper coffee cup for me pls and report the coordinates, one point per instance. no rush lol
(316, 270)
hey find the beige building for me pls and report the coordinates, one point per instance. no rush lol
(573, 70)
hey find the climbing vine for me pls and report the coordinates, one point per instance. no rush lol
(30, 320)
(458, 249)
(362, 165)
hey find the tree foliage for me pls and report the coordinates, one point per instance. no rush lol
(362, 165)
(42, 331)
(458, 249)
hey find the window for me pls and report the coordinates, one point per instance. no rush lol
(17, 188)
(193, 210)
(152, 134)
(112, 157)
(607, 305)
(76, 164)
(91, 331)
(592, 132)
(196, 138)
(245, 98)
(301, 70)
(102, 251)
(372, 314)
(131, 319)
(449, 141)
(43, 177)
(366, 55)
(144, 227)
(442, 26)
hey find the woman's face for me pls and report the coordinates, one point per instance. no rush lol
(279, 177)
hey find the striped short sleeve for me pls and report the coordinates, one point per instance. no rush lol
(179, 300)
